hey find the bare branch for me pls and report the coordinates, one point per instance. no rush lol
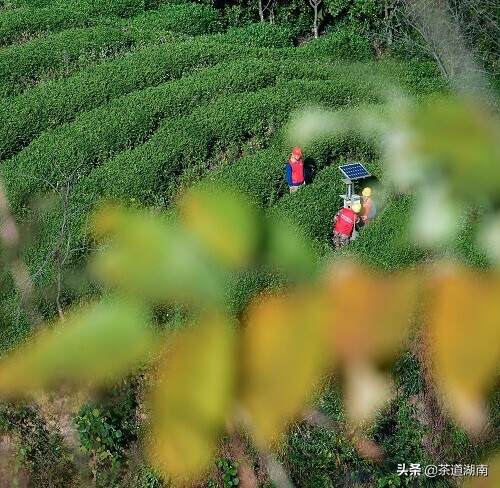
(441, 25)
(60, 259)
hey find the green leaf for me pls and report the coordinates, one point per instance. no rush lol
(95, 344)
(147, 257)
(289, 250)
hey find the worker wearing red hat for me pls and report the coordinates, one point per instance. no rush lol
(294, 170)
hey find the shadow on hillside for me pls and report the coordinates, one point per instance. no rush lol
(309, 170)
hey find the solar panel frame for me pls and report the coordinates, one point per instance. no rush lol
(354, 171)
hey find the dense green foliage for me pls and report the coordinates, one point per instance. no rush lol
(24, 65)
(56, 102)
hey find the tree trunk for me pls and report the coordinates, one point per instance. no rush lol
(316, 20)
(261, 11)
(388, 25)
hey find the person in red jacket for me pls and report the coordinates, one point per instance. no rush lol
(294, 170)
(344, 224)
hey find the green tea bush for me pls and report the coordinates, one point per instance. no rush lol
(465, 246)
(386, 241)
(154, 168)
(22, 65)
(262, 34)
(24, 23)
(120, 8)
(342, 43)
(28, 21)
(313, 454)
(257, 175)
(220, 129)
(313, 207)
(260, 175)
(190, 18)
(56, 102)
(59, 54)
(399, 433)
(96, 135)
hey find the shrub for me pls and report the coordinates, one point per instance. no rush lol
(260, 175)
(107, 427)
(400, 434)
(121, 8)
(29, 21)
(314, 206)
(386, 242)
(56, 102)
(260, 34)
(142, 174)
(58, 54)
(23, 65)
(153, 169)
(189, 18)
(342, 43)
(24, 23)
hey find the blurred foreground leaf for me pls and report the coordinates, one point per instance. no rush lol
(289, 250)
(492, 480)
(465, 341)
(224, 222)
(283, 357)
(193, 399)
(366, 391)
(148, 258)
(94, 345)
(370, 314)
(457, 140)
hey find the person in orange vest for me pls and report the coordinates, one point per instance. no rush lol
(294, 170)
(344, 224)
(368, 207)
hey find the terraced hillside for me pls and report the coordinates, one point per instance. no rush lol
(139, 100)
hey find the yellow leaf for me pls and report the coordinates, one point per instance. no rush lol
(95, 344)
(370, 313)
(464, 333)
(283, 358)
(224, 221)
(146, 257)
(193, 399)
(482, 480)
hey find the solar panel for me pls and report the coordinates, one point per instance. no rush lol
(354, 171)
